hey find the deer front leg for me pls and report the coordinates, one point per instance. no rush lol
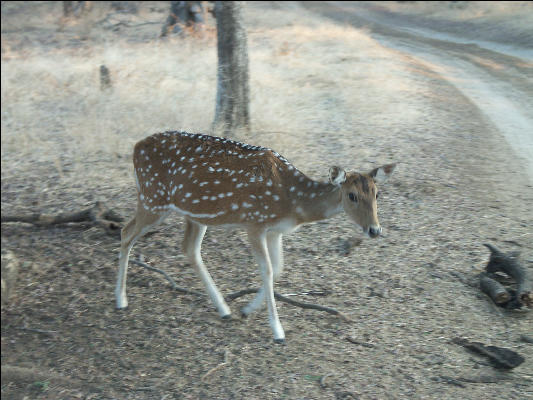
(192, 242)
(258, 240)
(136, 228)
(275, 251)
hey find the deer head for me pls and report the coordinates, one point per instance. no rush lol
(359, 195)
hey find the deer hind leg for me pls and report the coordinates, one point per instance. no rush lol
(192, 242)
(143, 221)
(275, 253)
(260, 250)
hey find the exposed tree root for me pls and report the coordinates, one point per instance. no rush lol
(500, 262)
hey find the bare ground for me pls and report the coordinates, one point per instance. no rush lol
(322, 94)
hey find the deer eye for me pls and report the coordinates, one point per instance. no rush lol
(352, 197)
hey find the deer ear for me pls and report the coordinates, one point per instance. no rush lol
(382, 173)
(337, 175)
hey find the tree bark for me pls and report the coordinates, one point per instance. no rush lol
(501, 262)
(494, 289)
(232, 100)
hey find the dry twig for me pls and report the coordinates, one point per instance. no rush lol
(354, 341)
(310, 306)
(168, 278)
(219, 366)
(322, 382)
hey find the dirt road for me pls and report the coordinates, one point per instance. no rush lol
(497, 77)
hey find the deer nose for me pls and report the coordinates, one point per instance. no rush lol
(374, 231)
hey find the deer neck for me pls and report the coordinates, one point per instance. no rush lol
(314, 201)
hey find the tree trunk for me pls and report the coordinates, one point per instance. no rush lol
(67, 8)
(71, 8)
(232, 101)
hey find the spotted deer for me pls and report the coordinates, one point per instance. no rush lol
(216, 181)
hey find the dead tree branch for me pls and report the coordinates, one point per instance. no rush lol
(168, 278)
(501, 262)
(240, 293)
(494, 289)
(277, 296)
(97, 215)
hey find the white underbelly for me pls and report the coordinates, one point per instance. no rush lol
(285, 226)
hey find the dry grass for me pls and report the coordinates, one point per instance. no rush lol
(53, 108)
(170, 84)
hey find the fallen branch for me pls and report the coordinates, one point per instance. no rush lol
(494, 289)
(501, 262)
(499, 357)
(168, 278)
(311, 293)
(311, 306)
(98, 215)
(240, 293)
(277, 296)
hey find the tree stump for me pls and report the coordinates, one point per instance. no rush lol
(508, 264)
(105, 79)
